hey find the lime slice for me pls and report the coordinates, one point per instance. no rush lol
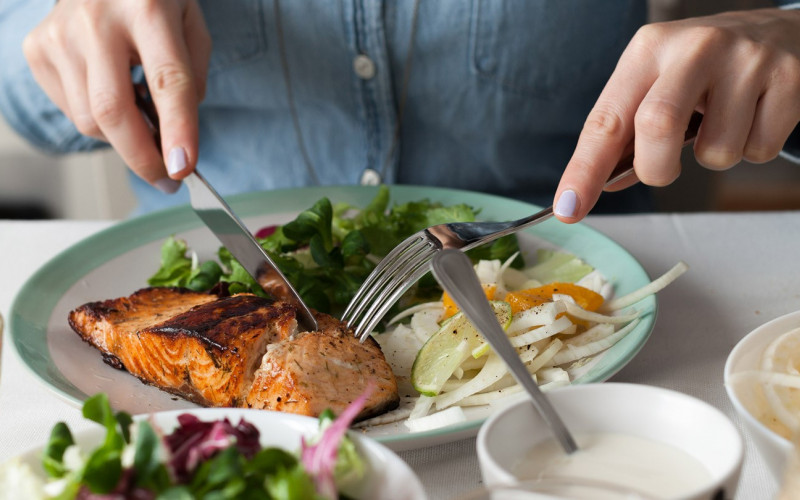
(504, 313)
(446, 349)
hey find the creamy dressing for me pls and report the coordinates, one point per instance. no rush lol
(650, 467)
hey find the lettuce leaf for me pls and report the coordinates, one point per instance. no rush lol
(555, 266)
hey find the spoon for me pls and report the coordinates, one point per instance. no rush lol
(455, 273)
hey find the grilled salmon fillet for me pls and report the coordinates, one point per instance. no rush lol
(324, 369)
(239, 351)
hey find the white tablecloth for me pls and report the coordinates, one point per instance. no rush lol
(743, 272)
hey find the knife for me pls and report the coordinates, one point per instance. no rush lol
(229, 229)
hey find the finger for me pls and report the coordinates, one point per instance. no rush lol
(168, 70)
(198, 43)
(112, 103)
(720, 142)
(73, 78)
(51, 49)
(661, 122)
(44, 72)
(606, 134)
(776, 116)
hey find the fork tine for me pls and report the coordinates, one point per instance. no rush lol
(393, 270)
(376, 279)
(413, 269)
(368, 323)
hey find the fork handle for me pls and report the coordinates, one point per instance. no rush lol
(454, 272)
(624, 167)
(473, 236)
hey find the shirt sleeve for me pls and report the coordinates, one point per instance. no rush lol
(23, 104)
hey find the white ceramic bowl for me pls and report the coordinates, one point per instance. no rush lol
(746, 356)
(687, 423)
(388, 477)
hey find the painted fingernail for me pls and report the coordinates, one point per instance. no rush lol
(566, 204)
(167, 185)
(176, 161)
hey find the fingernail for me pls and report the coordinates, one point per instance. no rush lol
(566, 204)
(167, 185)
(176, 161)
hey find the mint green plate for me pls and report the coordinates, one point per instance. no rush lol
(118, 261)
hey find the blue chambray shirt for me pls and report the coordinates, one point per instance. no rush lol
(498, 91)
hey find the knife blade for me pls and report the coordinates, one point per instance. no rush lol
(234, 235)
(229, 228)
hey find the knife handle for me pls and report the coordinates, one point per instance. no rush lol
(144, 101)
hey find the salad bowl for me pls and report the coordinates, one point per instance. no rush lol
(701, 433)
(386, 477)
(746, 394)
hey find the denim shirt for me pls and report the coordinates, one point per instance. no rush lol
(497, 92)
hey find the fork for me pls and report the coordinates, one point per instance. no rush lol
(453, 270)
(408, 261)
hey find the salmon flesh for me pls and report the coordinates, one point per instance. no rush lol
(236, 351)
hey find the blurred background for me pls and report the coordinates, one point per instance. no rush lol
(94, 185)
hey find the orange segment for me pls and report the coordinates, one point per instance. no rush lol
(522, 300)
(532, 297)
(450, 307)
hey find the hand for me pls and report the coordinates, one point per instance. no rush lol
(82, 54)
(740, 69)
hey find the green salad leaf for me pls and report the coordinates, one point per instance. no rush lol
(102, 469)
(53, 456)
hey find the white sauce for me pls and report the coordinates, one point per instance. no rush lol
(650, 467)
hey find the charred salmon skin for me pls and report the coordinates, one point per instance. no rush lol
(237, 351)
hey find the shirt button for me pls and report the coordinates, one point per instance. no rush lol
(364, 67)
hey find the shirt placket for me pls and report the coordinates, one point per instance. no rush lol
(374, 90)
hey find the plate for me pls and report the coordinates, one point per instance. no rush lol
(388, 477)
(117, 261)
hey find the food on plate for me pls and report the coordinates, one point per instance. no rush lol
(775, 387)
(560, 314)
(206, 331)
(196, 459)
(238, 351)
(558, 327)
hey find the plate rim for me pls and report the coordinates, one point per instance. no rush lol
(180, 218)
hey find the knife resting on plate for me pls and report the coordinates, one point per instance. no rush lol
(229, 229)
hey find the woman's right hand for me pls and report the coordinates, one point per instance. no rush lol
(82, 54)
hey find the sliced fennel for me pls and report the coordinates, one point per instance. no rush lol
(457, 368)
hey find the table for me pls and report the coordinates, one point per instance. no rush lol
(743, 272)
